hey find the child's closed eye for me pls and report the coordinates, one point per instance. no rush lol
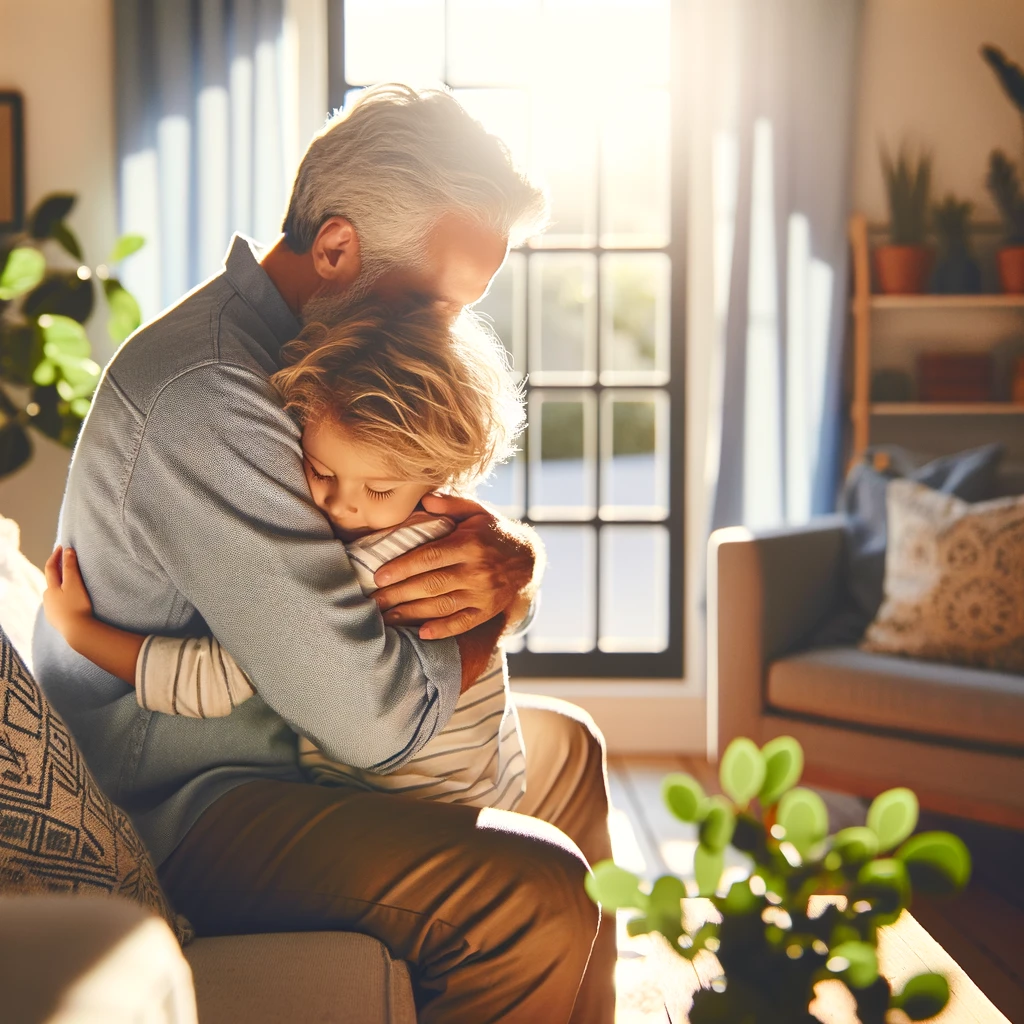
(379, 495)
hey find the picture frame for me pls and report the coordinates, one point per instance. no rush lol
(12, 161)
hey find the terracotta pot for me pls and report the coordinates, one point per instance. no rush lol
(903, 269)
(1011, 269)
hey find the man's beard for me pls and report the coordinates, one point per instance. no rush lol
(328, 306)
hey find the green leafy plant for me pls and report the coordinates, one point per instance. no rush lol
(47, 294)
(956, 272)
(908, 184)
(1003, 180)
(772, 948)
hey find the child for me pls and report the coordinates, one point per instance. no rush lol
(393, 403)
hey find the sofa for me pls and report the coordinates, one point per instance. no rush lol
(70, 958)
(954, 735)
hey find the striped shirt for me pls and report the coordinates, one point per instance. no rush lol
(476, 759)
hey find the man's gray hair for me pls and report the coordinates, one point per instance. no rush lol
(395, 162)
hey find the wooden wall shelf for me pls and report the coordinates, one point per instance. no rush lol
(947, 409)
(925, 302)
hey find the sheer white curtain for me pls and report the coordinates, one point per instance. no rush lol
(771, 104)
(216, 100)
(774, 91)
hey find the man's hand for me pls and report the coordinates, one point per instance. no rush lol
(487, 566)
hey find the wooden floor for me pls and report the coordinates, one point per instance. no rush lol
(982, 929)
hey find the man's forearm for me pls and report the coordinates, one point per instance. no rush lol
(476, 648)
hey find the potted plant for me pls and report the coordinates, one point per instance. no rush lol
(1003, 179)
(771, 946)
(47, 293)
(902, 267)
(956, 270)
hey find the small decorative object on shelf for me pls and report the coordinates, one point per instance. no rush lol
(956, 272)
(954, 377)
(1017, 389)
(903, 266)
(771, 947)
(1003, 179)
(891, 386)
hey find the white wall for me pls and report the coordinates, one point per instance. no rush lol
(59, 55)
(922, 79)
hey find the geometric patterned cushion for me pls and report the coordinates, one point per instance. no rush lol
(954, 580)
(58, 832)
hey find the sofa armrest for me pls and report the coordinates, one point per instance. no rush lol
(766, 592)
(83, 959)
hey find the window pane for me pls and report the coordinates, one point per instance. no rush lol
(561, 454)
(635, 154)
(505, 306)
(562, 318)
(635, 318)
(563, 155)
(596, 42)
(503, 112)
(634, 454)
(394, 40)
(634, 588)
(491, 42)
(504, 487)
(565, 617)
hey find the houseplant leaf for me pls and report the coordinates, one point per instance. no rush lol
(708, 866)
(63, 338)
(683, 795)
(24, 269)
(784, 764)
(68, 240)
(718, 825)
(937, 862)
(742, 770)
(893, 816)
(923, 996)
(125, 246)
(856, 844)
(49, 213)
(802, 813)
(614, 887)
(125, 315)
(855, 962)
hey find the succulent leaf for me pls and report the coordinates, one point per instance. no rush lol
(708, 866)
(683, 795)
(718, 825)
(937, 862)
(861, 963)
(742, 770)
(614, 887)
(856, 844)
(893, 816)
(802, 813)
(923, 996)
(784, 764)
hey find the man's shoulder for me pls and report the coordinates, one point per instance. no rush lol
(211, 327)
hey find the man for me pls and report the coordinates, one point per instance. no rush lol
(188, 507)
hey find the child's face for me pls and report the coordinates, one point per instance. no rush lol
(351, 484)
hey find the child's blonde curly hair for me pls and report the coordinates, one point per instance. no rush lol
(433, 396)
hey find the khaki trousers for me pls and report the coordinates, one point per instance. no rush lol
(487, 906)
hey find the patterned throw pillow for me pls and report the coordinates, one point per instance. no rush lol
(58, 832)
(954, 580)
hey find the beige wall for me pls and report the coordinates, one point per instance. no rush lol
(922, 79)
(59, 55)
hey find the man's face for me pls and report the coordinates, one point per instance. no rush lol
(461, 259)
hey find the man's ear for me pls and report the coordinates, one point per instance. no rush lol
(335, 252)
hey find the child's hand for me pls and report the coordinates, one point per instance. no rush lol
(65, 600)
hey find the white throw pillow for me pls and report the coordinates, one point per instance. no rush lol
(21, 591)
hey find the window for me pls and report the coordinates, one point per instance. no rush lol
(592, 311)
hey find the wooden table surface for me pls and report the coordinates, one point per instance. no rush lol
(652, 980)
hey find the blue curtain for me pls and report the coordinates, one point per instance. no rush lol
(783, 138)
(204, 147)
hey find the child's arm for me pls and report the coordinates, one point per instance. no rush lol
(189, 676)
(69, 610)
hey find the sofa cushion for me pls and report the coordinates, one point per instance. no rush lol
(954, 580)
(58, 832)
(930, 698)
(21, 591)
(310, 976)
